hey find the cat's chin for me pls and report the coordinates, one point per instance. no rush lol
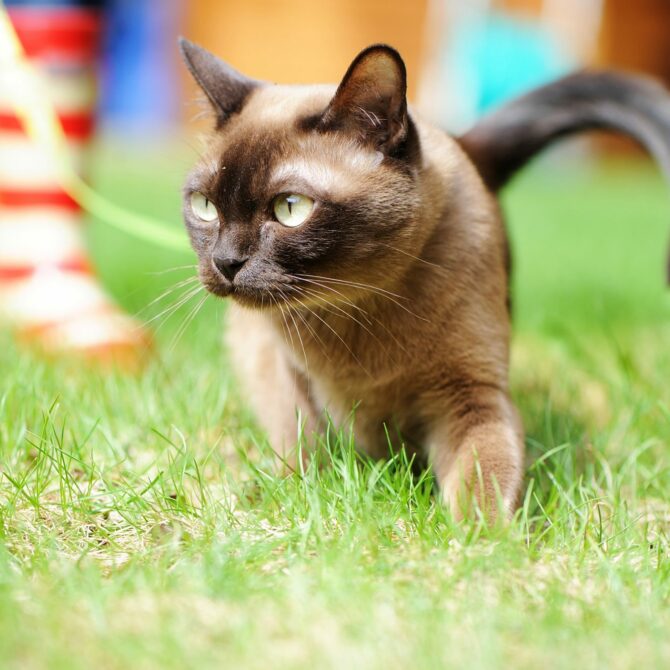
(267, 297)
(258, 300)
(248, 296)
(219, 290)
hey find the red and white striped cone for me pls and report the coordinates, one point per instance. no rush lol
(48, 291)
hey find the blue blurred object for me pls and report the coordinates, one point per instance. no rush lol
(509, 56)
(139, 87)
(491, 57)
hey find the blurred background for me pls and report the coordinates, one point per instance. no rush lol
(463, 58)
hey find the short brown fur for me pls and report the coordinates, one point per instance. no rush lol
(388, 308)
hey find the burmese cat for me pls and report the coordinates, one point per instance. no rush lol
(367, 260)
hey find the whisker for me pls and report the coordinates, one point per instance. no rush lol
(169, 311)
(311, 330)
(353, 318)
(285, 329)
(158, 273)
(339, 337)
(374, 289)
(416, 258)
(344, 298)
(283, 323)
(288, 330)
(369, 318)
(297, 332)
(187, 322)
(330, 306)
(167, 292)
(349, 282)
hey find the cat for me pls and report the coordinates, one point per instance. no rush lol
(367, 260)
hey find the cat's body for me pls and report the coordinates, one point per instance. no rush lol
(365, 356)
(387, 304)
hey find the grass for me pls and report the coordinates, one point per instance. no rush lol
(140, 524)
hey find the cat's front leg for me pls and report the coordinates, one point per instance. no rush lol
(477, 450)
(277, 393)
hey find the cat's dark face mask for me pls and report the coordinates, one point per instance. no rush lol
(305, 194)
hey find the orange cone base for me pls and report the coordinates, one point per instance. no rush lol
(129, 353)
(67, 314)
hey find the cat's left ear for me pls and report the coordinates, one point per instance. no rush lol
(371, 99)
(226, 88)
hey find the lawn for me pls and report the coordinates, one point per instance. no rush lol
(141, 525)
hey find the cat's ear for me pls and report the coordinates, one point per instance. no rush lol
(371, 99)
(226, 88)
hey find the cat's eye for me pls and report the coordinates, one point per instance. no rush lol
(203, 208)
(292, 209)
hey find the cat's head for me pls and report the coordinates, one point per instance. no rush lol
(304, 191)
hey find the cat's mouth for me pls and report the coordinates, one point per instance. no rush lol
(279, 295)
(257, 297)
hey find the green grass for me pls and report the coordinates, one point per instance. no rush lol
(140, 524)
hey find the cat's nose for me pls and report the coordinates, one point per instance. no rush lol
(229, 267)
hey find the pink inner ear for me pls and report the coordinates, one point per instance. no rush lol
(371, 83)
(370, 101)
(384, 72)
(376, 77)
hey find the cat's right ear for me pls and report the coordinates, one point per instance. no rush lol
(225, 87)
(370, 101)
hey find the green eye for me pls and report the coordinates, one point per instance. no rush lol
(292, 209)
(203, 208)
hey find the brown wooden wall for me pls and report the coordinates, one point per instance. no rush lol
(636, 36)
(305, 40)
(315, 40)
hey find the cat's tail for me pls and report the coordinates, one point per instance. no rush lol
(503, 142)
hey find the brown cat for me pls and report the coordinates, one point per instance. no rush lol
(367, 259)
